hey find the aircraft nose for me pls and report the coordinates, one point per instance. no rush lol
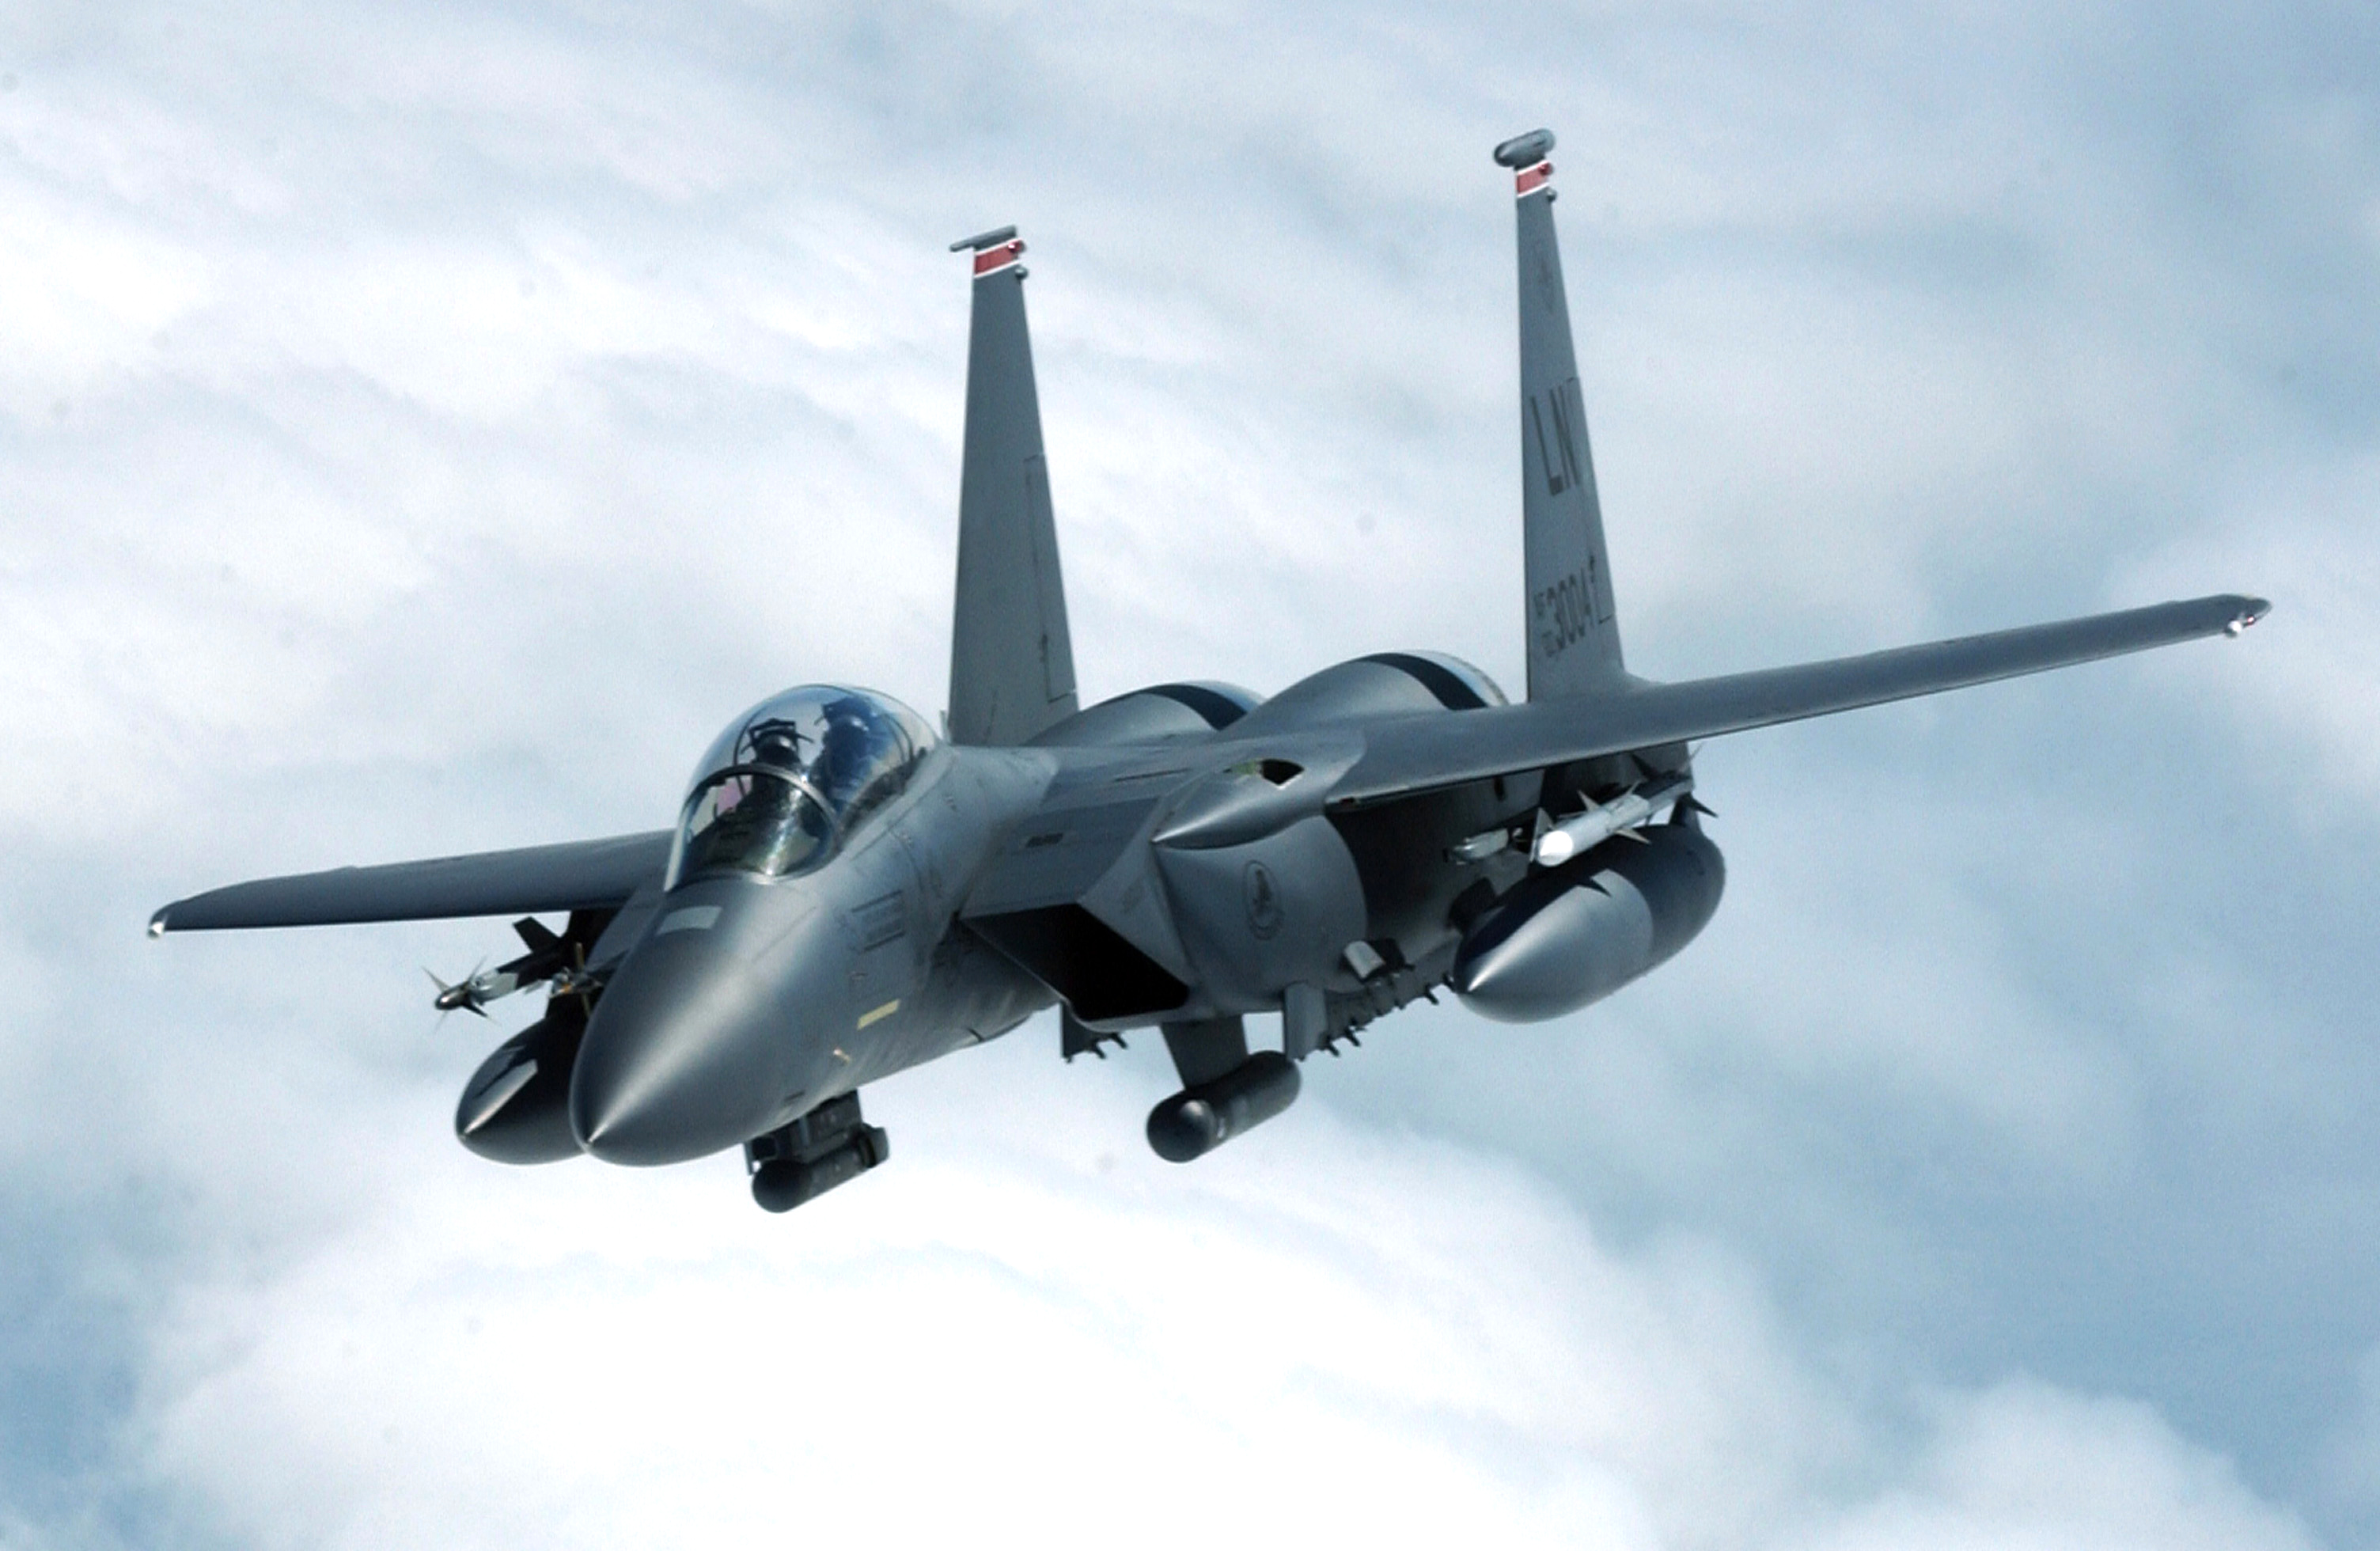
(679, 1061)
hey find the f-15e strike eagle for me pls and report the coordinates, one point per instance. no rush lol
(846, 895)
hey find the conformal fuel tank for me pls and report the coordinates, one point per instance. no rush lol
(1570, 935)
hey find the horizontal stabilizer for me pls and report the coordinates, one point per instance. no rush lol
(1423, 753)
(579, 875)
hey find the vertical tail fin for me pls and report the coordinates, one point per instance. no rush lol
(1011, 664)
(1572, 628)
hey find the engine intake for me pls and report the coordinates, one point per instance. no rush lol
(515, 1108)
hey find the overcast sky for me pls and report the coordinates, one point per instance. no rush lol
(422, 426)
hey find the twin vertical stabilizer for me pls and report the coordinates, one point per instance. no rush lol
(1011, 664)
(1573, 633)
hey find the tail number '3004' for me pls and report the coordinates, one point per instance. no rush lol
(1563, 611)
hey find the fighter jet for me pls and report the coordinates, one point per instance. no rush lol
(846, 894)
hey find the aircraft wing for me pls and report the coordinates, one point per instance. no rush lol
(580, 875)
(1422, 753)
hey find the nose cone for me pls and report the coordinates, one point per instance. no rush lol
(683, 1055)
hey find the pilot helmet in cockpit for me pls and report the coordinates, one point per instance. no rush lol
(790, 780)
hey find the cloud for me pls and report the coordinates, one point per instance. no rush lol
(1040, 1323)
(2351, 1462)
(2026, 1465)
(2313, 690)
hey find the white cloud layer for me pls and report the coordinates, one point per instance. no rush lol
(1037, 1329)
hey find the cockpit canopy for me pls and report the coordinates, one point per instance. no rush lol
(779, 791)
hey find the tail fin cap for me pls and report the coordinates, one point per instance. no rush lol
(1525, 150)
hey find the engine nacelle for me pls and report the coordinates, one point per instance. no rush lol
(1384, 684)
(1162, 713)
(1261, 916)
(515, 1108)
(1575, 933)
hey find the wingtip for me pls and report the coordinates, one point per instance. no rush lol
(158, 924)
(2250, 610)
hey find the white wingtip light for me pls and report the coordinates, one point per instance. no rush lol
(157, 923)
(2256, 609)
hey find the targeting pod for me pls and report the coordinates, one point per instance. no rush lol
(1199, 1119)
(829, 1146)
